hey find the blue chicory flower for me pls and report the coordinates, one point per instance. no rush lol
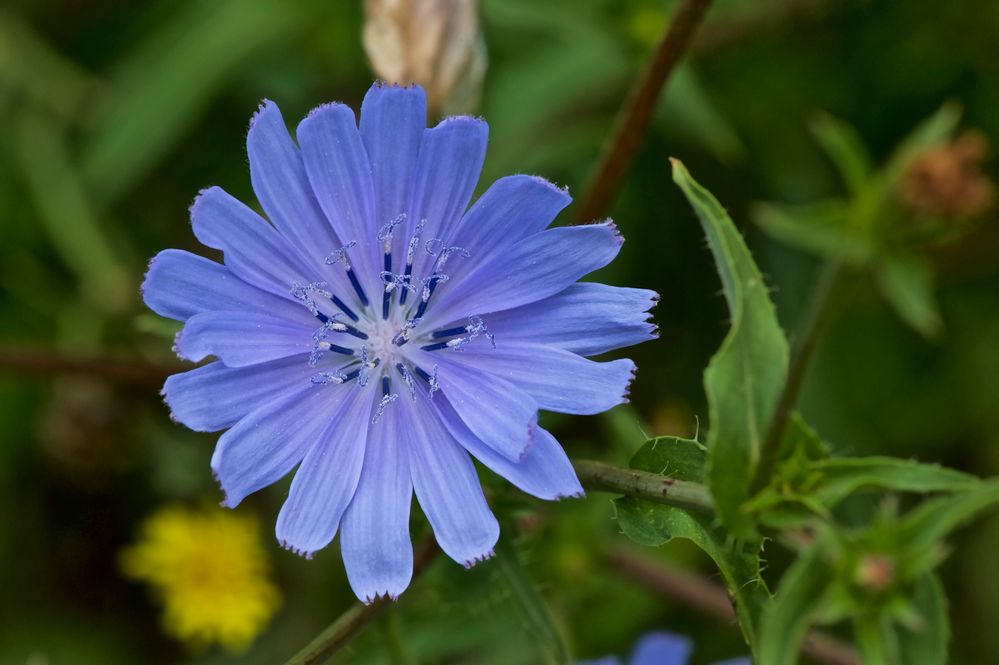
(660, 648)
(376, 332)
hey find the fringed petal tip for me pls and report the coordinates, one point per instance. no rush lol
(200, 198)
(328, 107)
(581, 494)
(471, 120)
(264, 106)
(379, 595)
(479, 559)
(382, 83)
(562, 190)
(305, 554)
(625, 395)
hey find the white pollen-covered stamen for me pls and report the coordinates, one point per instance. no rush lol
(385, 401)
(407, 378)
(325, 378)
(385, 232)
(304, 293)
(414, 242)
(435, 385)
(340, 256)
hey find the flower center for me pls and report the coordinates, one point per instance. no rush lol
(368, 339)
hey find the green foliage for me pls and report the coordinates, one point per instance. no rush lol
(867, 229)
(654, 524)
(744, 379)
(533, 609)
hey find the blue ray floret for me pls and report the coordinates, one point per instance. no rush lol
(660, 648)
(377, 333)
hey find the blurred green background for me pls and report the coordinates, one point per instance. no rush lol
(115, 114)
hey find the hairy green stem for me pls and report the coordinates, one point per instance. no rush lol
(812, 325)
(601, 477)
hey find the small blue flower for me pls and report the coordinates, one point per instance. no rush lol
(376, 332)
(660, 648)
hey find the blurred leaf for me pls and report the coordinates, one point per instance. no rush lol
(841, 477)
(934, 130)
(532, 606)
(906, 282)
(819, 228)
(67, 215)
(653, 525)
(160, 88)
(926, 525)
(31, 67)
(686, 110)
(927, 645)
(744, 378)
(794, 608)
(846, 150)
(876, 640)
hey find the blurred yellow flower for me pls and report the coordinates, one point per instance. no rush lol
(210, 571)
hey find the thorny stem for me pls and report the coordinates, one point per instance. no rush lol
(810, 330)
(712, 599)
(598, 476)
(350, 624)
(635, 115)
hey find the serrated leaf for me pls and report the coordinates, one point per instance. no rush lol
(683, 459)
(794, 608)
(532, 606)
(846, 150)
(906, 282)
(744, 379)
(928, 644)
(653, 524)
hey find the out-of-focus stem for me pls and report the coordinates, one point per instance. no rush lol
(350, 624)
(599, 476)
(712, 599)
(810, 330)
(634, 117)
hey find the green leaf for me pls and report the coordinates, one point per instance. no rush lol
(876, 640)
(818, 228)
(744, 379)
(532, 606)
(67, 214)
(842, 476)
(653, 524)
(170, 77)
(906, 282)
(934, 130)
(794, 608)
(927, 645)
(926, 525)
(683, 459)
(846, 150)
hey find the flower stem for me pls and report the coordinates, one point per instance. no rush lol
(601, 477)
(635, 115)
(350, 624)
(810, 330)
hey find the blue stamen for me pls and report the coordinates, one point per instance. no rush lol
(406, 276)
(357, 286)
(435, 347)
(450, 332)
(387, 293)
(335, 348)
(346, 310)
